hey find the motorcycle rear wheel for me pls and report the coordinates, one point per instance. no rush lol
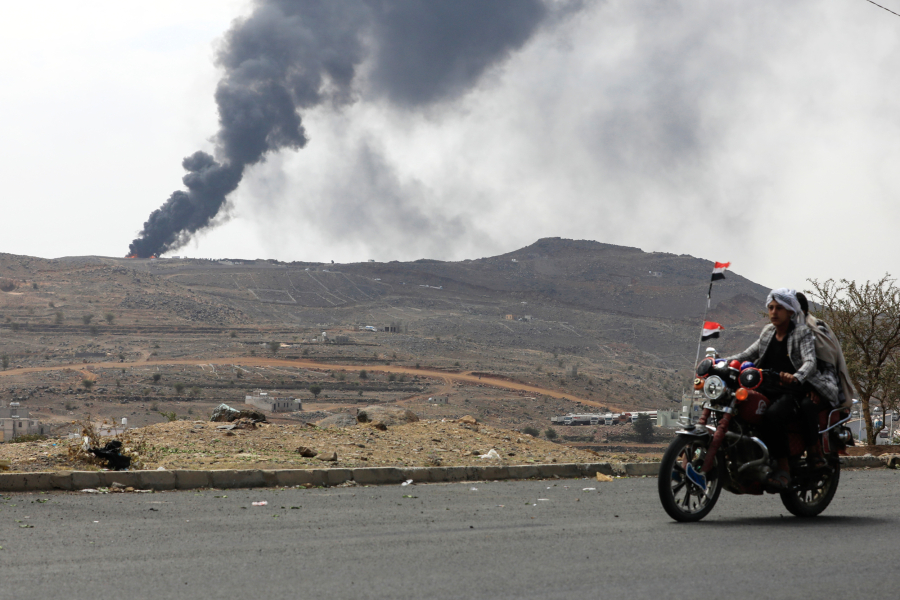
(682, 499)
(810, 502)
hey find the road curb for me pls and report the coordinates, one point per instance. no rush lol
(179, 479)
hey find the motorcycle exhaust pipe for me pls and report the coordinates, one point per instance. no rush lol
(759, 462)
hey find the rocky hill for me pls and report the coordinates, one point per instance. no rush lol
(601, 322)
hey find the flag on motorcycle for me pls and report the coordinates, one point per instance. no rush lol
(710, 330)
(719, 271)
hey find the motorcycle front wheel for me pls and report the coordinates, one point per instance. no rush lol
(681, 498)
(814, 497)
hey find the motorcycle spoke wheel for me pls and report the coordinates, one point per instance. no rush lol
(682, 499)
(815, 496)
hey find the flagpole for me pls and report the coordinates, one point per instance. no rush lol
(702, 321)
(718, 269)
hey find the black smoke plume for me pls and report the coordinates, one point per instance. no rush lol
(290, 55)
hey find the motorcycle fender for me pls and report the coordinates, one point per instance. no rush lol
(696, 432)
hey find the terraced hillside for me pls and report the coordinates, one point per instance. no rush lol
(603, 323)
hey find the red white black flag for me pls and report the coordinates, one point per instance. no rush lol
(710, 330)
(719, 271)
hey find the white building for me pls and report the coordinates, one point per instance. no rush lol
(271, 403)
(16, 422)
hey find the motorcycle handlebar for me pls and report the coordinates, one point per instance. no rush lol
(773, 376)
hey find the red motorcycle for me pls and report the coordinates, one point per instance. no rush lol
(722, 449)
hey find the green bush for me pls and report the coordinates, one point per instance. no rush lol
(532, 431)
(550, 433)
(643, 426)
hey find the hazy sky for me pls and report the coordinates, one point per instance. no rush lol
(766, 133)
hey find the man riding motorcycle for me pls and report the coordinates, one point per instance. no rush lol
(787, 345)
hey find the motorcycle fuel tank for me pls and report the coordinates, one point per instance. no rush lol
(753, 408)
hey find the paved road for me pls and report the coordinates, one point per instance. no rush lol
(533, 539)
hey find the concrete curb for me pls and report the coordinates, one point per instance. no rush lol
(868, 462)
(178, 479)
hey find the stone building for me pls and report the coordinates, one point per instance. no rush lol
(268, 402)
(16, 421)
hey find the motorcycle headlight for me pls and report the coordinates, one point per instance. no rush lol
(714, 388)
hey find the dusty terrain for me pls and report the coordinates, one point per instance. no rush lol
(560, 326)
(204, 445)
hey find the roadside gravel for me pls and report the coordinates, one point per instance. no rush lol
(205, 445)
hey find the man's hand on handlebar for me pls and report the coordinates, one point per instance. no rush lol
(787, 379)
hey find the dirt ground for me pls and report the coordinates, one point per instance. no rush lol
(207, 445)
(873, 450)
(110, 339)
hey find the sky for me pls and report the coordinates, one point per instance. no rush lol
(765, 134)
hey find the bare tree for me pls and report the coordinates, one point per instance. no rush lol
(866, 319)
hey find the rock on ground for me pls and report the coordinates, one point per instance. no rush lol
(225, 414)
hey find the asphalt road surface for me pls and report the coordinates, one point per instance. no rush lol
(531, 539)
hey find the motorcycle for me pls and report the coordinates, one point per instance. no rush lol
(721, 450)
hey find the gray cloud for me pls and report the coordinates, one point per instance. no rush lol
(696, 127)
(291, 55)
(435, 50)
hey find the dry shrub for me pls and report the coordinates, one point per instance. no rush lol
(133, 445)
(79, 449)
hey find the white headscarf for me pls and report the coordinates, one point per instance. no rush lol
(787, 298)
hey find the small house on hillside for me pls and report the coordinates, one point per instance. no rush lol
(271, 403)
(16, 422)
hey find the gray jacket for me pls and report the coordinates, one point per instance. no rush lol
(801, 344)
